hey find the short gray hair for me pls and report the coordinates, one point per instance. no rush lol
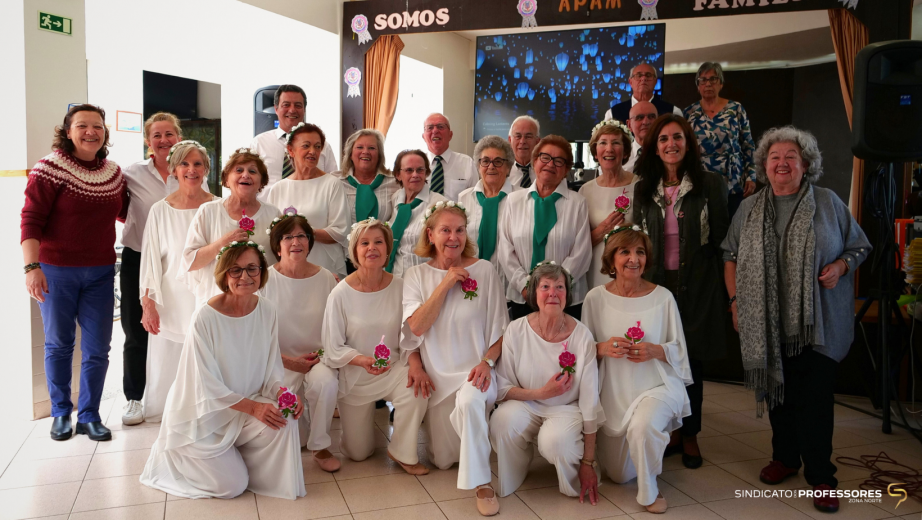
(710, 65)
(809, 151)
(546, 270)
(655, 75)
(530, 120)
(182, 150)
(493, 141)
(447, 122)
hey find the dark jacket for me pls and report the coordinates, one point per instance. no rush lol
(702, 295)
(622, 111)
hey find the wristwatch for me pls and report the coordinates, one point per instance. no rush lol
(591, 463)
(489, 362)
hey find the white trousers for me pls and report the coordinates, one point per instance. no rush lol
(639, 453)
(358, 422)
(162, 364)
(514, 428)
(459, 432)
(318, 388)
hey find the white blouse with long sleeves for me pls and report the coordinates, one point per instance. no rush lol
(468, 199)
(569, 243)
(406, 258)
(464, 330)
(624, 383)
(528, 362)
(300, 303)
(353, 325)
(323, 202)
(210, 223)
(601, 202)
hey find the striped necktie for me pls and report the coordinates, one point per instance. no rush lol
(526, 175)
(438, 176)
(287, 167)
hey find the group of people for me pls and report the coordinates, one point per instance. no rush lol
(482, 297)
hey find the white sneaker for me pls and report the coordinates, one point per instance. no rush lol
(134, 413)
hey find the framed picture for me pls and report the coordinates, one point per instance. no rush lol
(128, 121)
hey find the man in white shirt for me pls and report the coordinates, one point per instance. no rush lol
(452, 172)
(643, 81)
(642, 116)
(524, 135)
(271, 145)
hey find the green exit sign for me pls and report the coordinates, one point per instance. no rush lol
(54, 23)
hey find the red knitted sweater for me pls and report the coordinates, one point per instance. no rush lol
(71, 210)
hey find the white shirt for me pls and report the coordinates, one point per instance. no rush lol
(406, 258)
(601, 202)
(384, 193)
(271, 147)
(464, 330)
(146, 187)
(468, 199)
(516, 174)
(459, 172)
(569, 243)
(675, 110)
(300, 304)
(323, 201)
(635, 154)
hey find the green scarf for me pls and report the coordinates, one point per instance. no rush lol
(366, 204)
(486, 239)
(400, 225)
(545, 219)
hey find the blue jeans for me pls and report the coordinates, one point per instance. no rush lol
(75, 295)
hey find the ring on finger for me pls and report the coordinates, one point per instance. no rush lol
(635, 352)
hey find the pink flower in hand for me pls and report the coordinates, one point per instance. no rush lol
(469, 287)
(288, 402)
(622, 203)
(247, 224)
(567, 360)
(382, 355)
(635, 334)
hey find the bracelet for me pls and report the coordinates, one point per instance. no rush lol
(847, 267)
(31, 267)
(733, 299)
(587, 462)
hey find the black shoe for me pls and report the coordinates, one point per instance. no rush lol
(392, 415)
(94, 430)
(689, 461)
(672, 449)
(61, 428)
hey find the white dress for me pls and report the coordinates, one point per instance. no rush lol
(164, 281)
(468, 199)
(211, 222)
(206, 449)
(347, 334)
(556, 425)
(323, 202)
(406, 258)
(453, 345)
(643, 402)
(301, 303)
(601, 202)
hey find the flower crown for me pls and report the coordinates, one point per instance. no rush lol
(245, 150)
(551, 262)
(290, 211)
(184, 143)
(368, 221)
(619, 229)
(443, 204)
(291, 133)
(617, 124)
(258, 247)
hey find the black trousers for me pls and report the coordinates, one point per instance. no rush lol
(135, 351)
(802, 425)
(733, 203)
(691, 425)
(520, 310)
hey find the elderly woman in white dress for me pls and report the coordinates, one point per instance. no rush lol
(363, 313)
(545, 222)
(643, 365)
(609, 195)
(454, 312)
(368, 184)
(239, 217)
(299, 289)
(316, 195)
(549, 380)
(411, 169)
(222, 433)
(485, 202)
(166, 301)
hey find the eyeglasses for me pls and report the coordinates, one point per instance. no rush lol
(640, 117)
(289, 238)
(545, 158)
(497, 163)
(430, 128)
(410, 171)
(644, 75)
(713, 80)
(528, 137)
(252, 271)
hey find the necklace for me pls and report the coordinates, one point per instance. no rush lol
(367, 287)
(669, 200)
(550, 339)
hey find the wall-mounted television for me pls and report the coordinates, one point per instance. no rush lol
(567, 80)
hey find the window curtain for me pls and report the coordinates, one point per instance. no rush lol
(382, 75)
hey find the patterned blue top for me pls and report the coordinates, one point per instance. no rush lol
(726, 143)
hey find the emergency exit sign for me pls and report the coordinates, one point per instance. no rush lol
(54, 23)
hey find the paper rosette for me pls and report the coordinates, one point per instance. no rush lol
(649, 9)
(528, 8)
(352, 78)
(360, 27)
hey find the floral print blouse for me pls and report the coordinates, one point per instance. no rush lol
(725, 142)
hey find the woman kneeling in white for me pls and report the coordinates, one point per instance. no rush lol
(221, 432)
(549, 380)
(642, 379)
(362, 309)
(454, 311)
(299, 290)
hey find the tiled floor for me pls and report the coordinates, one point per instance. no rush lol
(83, 480)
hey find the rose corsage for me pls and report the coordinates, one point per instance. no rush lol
(567, 360)
(288, 402)
(634, 334)
(382, 355)
(247, 224)
(469, 287)
(622, 203)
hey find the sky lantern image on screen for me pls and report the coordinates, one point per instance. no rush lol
(565, 79)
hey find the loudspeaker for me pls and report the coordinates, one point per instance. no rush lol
(887, 114)
(264, 118)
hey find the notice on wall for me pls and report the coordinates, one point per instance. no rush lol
(54, 23)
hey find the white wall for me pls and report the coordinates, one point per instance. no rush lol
(416, 100)
(209, 100)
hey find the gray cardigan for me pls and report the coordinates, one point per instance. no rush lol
(837, 236)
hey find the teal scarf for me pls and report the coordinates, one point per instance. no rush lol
(400, 225)
(545, 219)
(366, 204)
(486, 239)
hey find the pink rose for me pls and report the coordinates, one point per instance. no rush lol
(469, 287)
(247, 224)
(567, 360)
(288, 402)
(622, 203)
(382, 352)
(635, 334)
